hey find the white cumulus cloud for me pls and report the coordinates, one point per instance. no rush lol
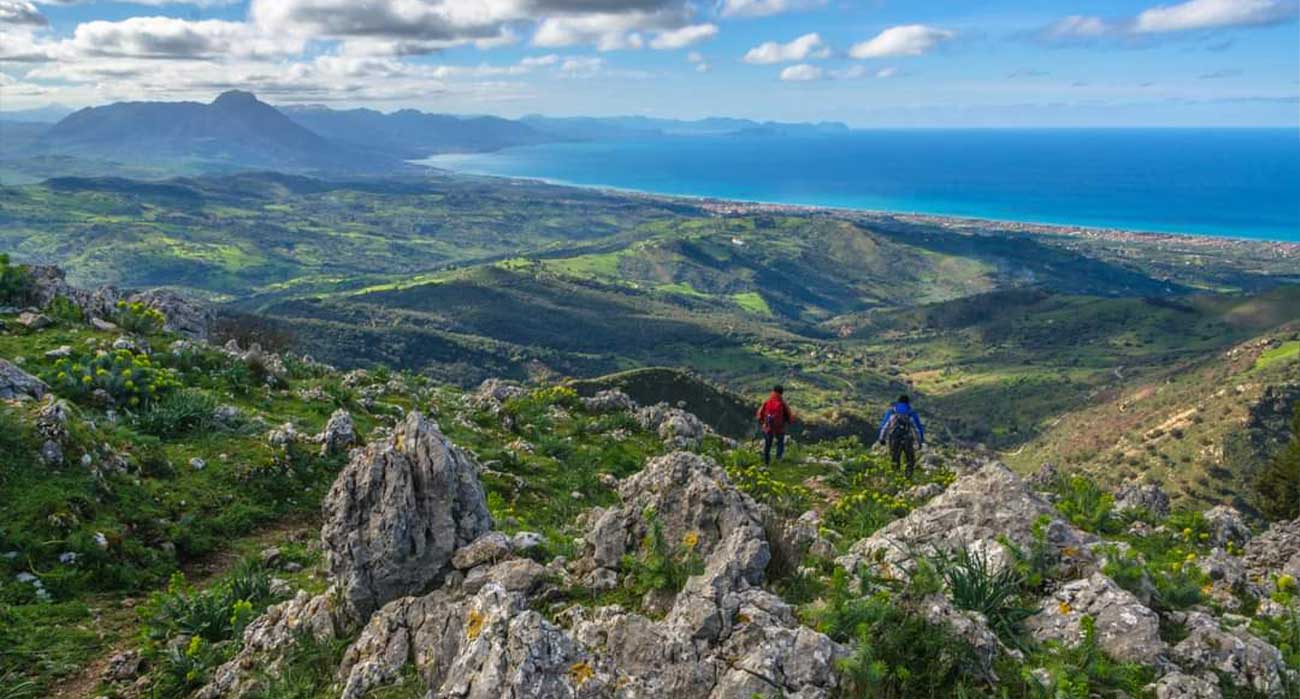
(801, 49)
(683, 37)
(1212, 14)
(21, 12)
(763, 8)
(905, 40)
(801, 72)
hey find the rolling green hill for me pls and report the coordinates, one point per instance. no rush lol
(999, 333)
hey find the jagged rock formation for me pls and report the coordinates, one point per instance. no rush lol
(417, 570)
(1247, 660)
(395, 508)
(722, 637)
(1275, 552)
(1149, 498)
(610, 400)
(1126, 630)
(398, 512)
(973, 513)
(181, 316)
(678, 428)
(339, 435)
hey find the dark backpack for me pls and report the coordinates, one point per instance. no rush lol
(899, 430)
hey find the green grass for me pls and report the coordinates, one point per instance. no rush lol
(752, 302)
(1287, 351)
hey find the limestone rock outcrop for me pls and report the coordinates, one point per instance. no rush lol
(1126, 629)
(398, 512)
(16, 384)
(978, 509)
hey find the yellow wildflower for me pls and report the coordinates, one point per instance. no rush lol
(474, 624)
(580, 672)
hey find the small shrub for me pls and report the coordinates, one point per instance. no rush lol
(16, 283)
(180, 412)
(1086, 671)
(307, 671)
(661, 566)
(1084, 503)
(896, 653)
(215, 614)
(130, 379)
(187, 668)
(139, 318)
(859, 515)
(1038, 563)
(995, 594)
(1126, 569)
(13, 686)
(64, 310)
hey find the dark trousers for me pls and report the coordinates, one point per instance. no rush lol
(770, 438)
(903, 447)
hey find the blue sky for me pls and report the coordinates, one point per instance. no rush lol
(868, 63)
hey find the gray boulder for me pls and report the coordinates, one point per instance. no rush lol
(1226, 526)
(609, 401)
(1177, 685)
(397, 513)
(51, 282)
(34, 321)
(1245, 659)
(484, 646)
(267, 639)
(969, 626)
(339, 435)
(181, 316)
(494, 392)
(975, 511)
(1276, 551)
(687, 494)
(1125, 629)
(678, 428)
(489, 548)
(16, 384)
(1149, 497)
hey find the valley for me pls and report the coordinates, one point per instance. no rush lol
(1002, 333)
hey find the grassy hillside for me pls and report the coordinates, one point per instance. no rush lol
(152, 533)
(999, 333)
(1202, 426)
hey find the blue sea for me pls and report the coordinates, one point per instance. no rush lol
(1242, 183)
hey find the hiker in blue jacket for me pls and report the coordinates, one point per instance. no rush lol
(901, 429)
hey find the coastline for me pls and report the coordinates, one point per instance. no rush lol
(960, 224)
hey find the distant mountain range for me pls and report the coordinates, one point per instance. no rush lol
(48, 114)
(410, 134)
(237, 131)
(612, 128)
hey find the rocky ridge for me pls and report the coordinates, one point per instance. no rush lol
(420, 579)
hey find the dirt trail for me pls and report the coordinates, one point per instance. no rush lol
(829, 495)
(114, 617)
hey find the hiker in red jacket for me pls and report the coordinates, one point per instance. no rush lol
(773, 416)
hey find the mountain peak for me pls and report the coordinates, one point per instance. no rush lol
(232, 98)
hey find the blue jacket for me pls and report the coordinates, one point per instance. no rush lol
(905, 410)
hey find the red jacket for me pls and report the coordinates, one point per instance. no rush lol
(774, 415)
